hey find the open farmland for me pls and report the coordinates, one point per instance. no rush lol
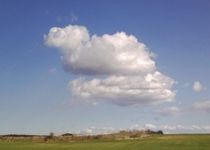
(157, 142)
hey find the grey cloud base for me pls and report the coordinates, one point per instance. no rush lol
(125, 69)
(125, 90)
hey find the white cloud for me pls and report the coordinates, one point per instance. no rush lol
(136, 127)
(203, 106)
(185, 128)
(197, 86)
(172, 127)
(177, 128)
(144, 127)
(150, 126)
(88, 131)
(107, 54)
(167, 128)
(68, 39)
(122, 68)
(206, 127)
(169, 111)
(95, 131)
(125, 90)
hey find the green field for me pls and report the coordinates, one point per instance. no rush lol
(164, 142)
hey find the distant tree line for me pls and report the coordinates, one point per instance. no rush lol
(124, 134)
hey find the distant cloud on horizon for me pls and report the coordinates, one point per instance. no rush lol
(120, 69)
(166, 128)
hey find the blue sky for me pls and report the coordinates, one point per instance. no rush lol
(34, 92)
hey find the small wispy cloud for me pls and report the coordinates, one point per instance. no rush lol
(197, 86)
(52, 70)
(72, 17)
(203, 106)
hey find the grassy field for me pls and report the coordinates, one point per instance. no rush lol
(164, 142)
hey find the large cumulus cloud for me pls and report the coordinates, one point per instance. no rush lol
(120, 69)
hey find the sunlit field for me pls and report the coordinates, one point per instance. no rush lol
(159, 142)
